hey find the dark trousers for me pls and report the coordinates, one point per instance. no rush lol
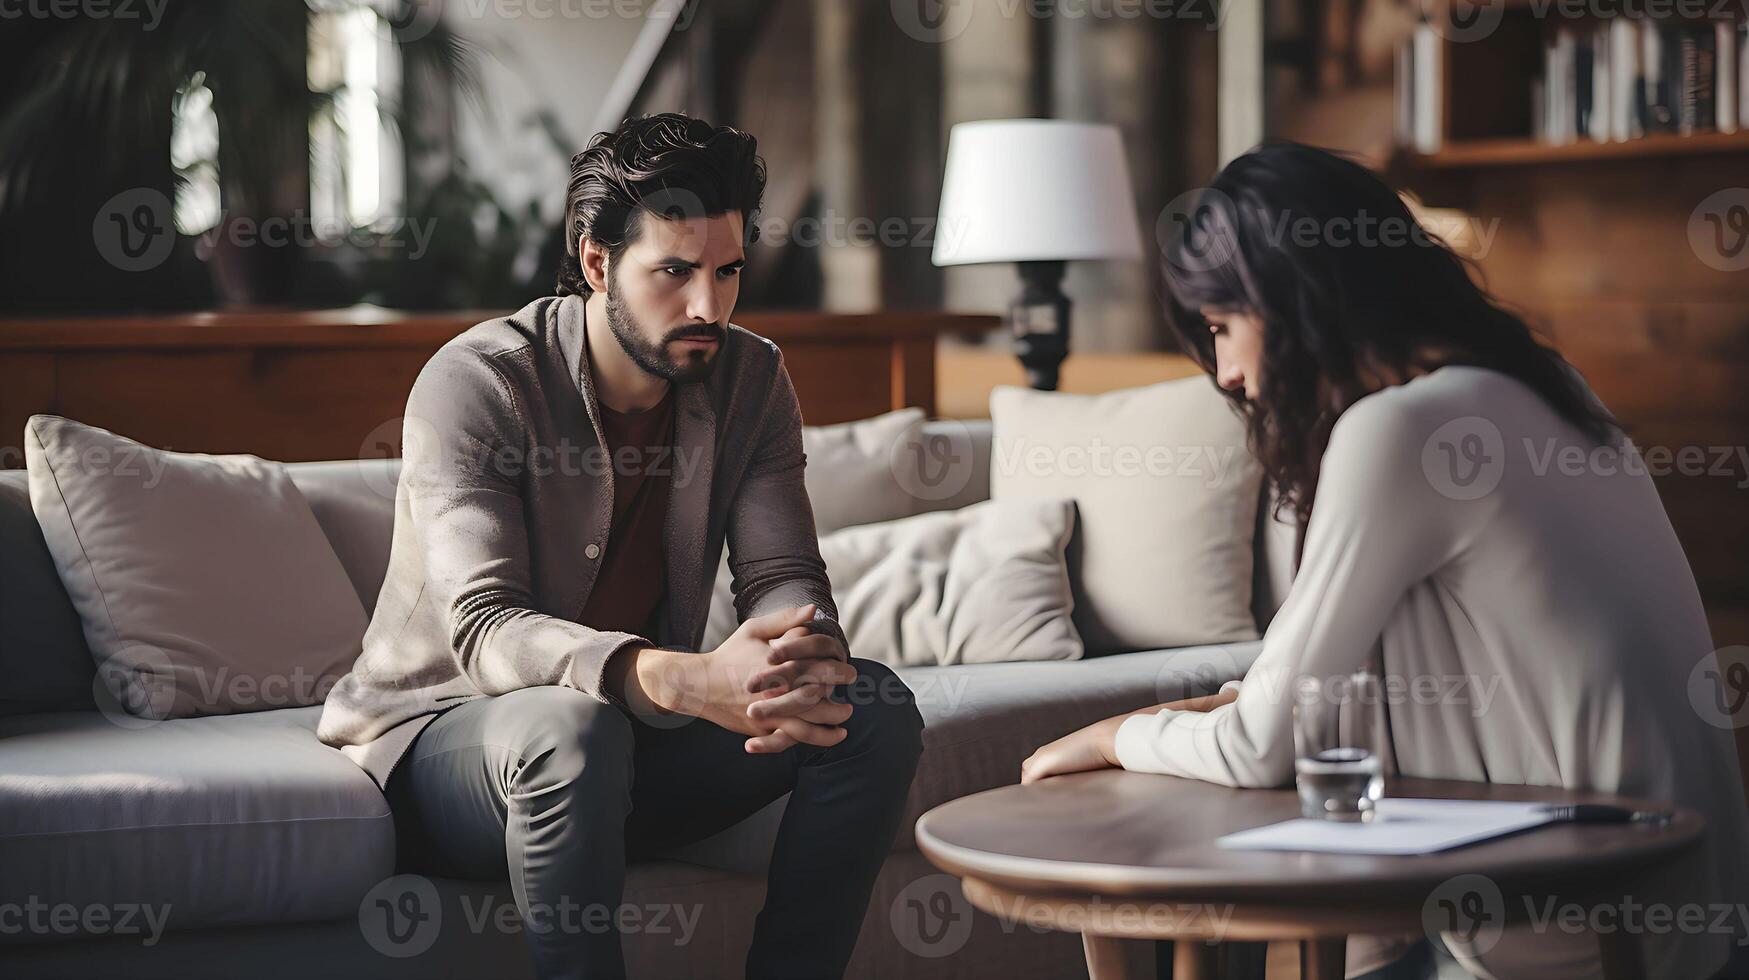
(557, 790)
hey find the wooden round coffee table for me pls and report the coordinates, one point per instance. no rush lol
(1122, 856)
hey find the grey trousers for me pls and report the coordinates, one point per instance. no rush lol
(556, 791)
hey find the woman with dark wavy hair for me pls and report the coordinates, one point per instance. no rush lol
(1473, 523)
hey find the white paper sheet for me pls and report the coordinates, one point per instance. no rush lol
(1401, 826)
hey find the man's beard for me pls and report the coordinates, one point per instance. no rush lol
(654, 357)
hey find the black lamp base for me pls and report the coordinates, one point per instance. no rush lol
(1039, 319)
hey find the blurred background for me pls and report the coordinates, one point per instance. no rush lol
(198, 198)
(419, 150)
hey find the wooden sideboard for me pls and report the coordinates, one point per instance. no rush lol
(328, 384)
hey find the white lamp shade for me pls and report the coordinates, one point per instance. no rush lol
(1023, 190)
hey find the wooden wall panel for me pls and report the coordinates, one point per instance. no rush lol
(280, 403)
(835, 383)
(1598, 255)
(329, 384)
(27, 380)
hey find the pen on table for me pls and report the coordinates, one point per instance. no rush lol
(1603, 813)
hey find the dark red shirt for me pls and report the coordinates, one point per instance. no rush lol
(631, 584)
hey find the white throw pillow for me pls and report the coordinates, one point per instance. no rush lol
(850, 475)
(204, 583)
(981, 584)
(1167, 492)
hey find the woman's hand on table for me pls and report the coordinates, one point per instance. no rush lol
(1093, 747)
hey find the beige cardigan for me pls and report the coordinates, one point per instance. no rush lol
(502, 515)
(1546, 609)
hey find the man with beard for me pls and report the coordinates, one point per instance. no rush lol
(531, 695)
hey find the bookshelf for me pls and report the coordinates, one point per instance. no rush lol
(1523, 151)
(1486, 102)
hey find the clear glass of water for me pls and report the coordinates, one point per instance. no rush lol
(1337, 765)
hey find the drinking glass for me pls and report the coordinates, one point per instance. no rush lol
(1337, 765)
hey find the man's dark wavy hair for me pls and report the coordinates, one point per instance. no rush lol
(670, 165)
(1329, 305)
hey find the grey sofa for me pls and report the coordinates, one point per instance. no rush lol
(241, 846)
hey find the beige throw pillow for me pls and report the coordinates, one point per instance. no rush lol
(851, 473)
(981, 584)
(1167, 493)
(204, 584)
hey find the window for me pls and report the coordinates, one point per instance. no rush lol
(194, 153)
(355, 156)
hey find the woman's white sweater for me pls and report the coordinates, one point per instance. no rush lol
(1539, 625)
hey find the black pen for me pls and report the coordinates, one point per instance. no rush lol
(1603, 813)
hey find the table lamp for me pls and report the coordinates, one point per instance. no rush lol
(1038, 193)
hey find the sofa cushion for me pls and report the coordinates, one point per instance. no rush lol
(982, 584)
(354, 501)
(981, 720)
(223, 820)
(954, 463)
(1167, 493)
(204, 583)
(44, 662)
(853, 473)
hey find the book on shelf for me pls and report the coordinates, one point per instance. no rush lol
(1655, 110)
(1626, 85)
(1696, 112)
(1727, 60)
(1688, 78)
(1606, 80)
(1742, 31)
(1427, 122)
(1418, 91)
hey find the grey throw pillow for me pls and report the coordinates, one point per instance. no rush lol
(204, 584)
